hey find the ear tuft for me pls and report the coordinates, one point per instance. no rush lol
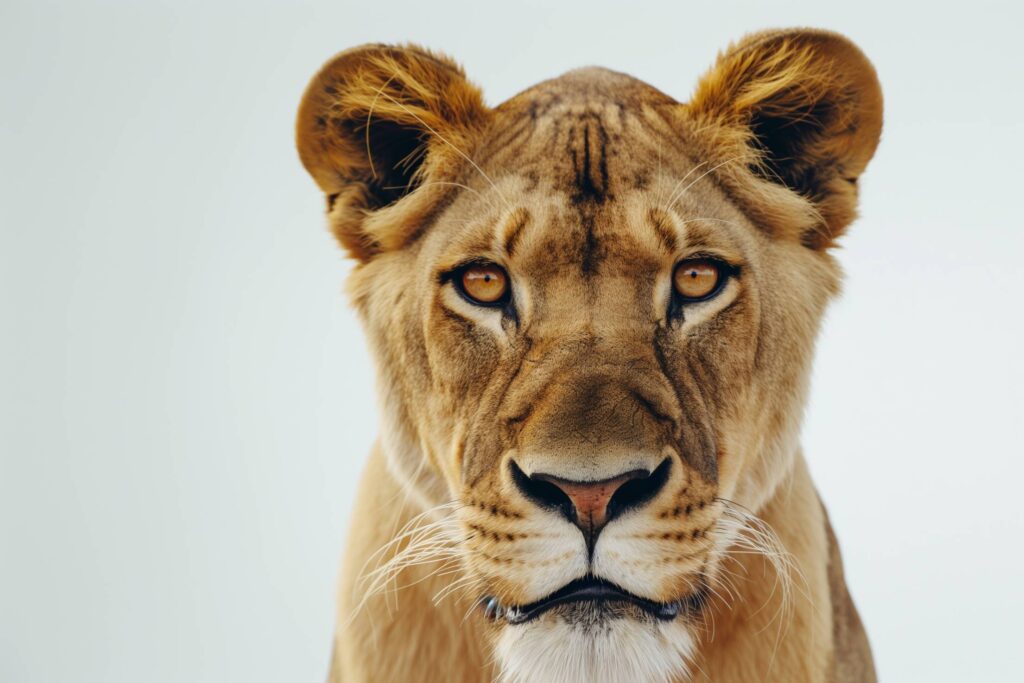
(803, 109)
(372, 124)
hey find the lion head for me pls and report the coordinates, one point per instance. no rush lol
(593, 310)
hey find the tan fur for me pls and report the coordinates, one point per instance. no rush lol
(588, 189)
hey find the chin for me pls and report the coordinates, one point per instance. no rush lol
(595, 643)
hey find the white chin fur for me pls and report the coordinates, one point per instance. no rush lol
(616, 650)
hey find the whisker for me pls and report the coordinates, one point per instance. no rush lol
(426, 542)
(748, 534)
(369, 116)
(672, 201)
(479, 194)
(681, 181)
(445, 140)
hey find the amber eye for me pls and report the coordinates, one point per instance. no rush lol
(697, 278)
(484, 283)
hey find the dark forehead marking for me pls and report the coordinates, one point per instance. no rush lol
(512, 140)
(662, 225)
(587, 146)
(588, 153)
(590, 245)
(514, 229)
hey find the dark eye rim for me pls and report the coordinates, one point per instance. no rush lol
(726, 272)
(454, 276)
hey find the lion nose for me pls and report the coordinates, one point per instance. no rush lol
(590, 505)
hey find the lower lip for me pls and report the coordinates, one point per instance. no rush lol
(595, 594)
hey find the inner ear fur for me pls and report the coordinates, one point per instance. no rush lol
(800, 111)
(373, 123)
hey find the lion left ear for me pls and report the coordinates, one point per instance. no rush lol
(800, 109)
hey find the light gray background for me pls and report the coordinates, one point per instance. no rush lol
(186, 398)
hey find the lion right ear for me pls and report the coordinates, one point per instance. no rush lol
(373, 124)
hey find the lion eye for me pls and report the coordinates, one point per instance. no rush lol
(485, 283)
(697, 279)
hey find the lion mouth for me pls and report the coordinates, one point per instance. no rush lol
(593, 590)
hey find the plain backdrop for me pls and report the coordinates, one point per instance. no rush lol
(186, 398)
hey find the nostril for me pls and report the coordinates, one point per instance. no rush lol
(638, 491)
(591, 504)
(542, 492)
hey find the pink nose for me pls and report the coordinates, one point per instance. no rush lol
(590, 505)
(590, 499)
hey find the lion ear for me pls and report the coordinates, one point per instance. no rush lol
(376, 121)
(802, 109)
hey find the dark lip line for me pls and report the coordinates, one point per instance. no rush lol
(593, 589)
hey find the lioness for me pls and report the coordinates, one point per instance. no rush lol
(593, 310)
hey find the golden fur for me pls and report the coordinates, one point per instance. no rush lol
(588, 189)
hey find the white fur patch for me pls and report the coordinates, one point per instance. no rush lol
(616, 650)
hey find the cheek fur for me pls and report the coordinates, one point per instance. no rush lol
(461, 352)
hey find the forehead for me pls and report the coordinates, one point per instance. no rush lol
(588, 171)
(592, 132)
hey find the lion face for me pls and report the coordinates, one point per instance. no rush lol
(593, 310)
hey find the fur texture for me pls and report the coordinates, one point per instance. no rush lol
(588, 190)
